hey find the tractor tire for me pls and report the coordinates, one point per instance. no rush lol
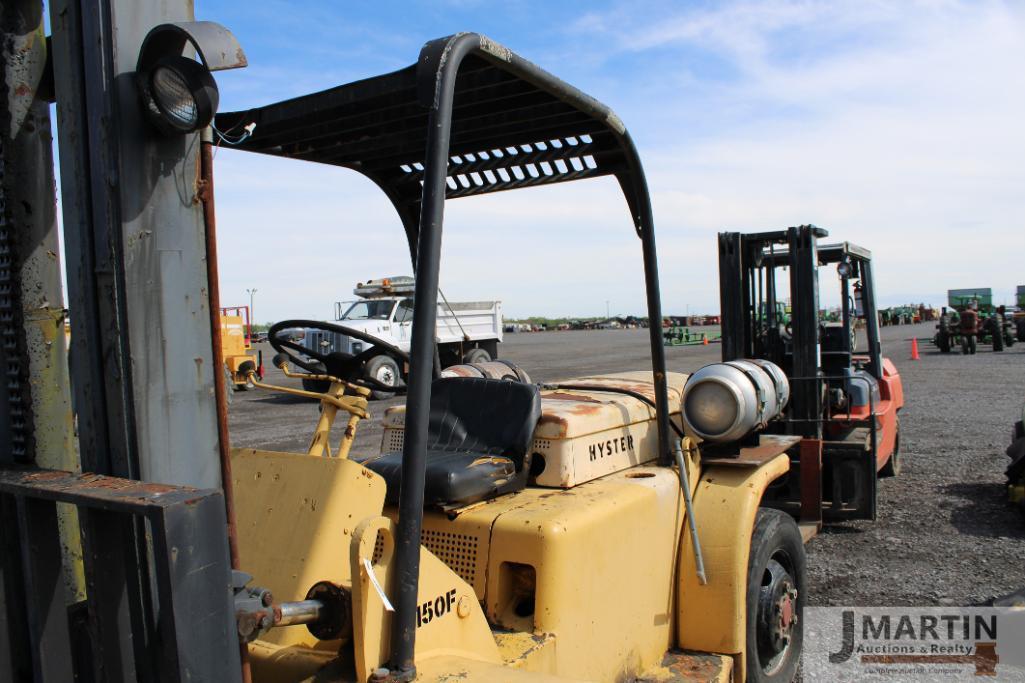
(776, 586)
(318, 386)
(943, 341)
(998, 340)
(1021, 330)
(384, 369)
(966, 344)
(476, 356)
(243, 371)
(973, 344)
(893, 465)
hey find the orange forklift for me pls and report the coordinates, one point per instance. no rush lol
(847, 401)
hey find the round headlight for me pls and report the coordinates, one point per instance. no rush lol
(181, 95)
(712, 408)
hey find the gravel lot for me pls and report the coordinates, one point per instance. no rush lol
(945, 534)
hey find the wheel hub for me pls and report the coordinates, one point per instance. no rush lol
(777, 610)
(385, 376)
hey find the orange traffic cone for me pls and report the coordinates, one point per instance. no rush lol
(914, 348)
(705, 341)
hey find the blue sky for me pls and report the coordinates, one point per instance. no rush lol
(897, 125)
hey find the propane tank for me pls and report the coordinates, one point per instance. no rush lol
(727, 401)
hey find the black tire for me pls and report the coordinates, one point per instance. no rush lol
(973, 344)
(998, 340)
(776, 584)
(1021, 330)
(966, 344)
(943, 341)
(476, 355)
(893, 465)
(384, 369)
(319, 386)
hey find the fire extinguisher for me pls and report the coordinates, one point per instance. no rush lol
(859, 306)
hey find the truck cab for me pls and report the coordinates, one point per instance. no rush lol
(467, 332)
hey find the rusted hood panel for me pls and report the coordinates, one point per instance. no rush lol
(567, 414)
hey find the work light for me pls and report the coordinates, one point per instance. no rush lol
(844, 268)
(178, 93)
(181, 95)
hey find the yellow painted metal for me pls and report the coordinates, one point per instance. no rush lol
(527, 651)
(320, 443)
(593, 582)
(712, 617)
(449, 617)
(235, 346)
(349, 404)
(296, 514)
(603, 556)
(449, 669)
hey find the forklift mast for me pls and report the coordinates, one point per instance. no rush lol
(750, 304)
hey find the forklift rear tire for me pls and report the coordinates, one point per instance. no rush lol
(892, 466)
(776, 582)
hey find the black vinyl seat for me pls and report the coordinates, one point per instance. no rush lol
(478, 441)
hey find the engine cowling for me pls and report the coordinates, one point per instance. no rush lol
(725, 402)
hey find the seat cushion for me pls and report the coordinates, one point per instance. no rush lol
(453, 478)
(479, 434)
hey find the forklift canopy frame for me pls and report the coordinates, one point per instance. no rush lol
(469, 117)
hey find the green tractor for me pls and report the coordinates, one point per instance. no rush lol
(971, 319)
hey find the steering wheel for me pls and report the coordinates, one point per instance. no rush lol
(338, 364)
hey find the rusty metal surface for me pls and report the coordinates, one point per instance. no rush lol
(569, 413)
(97, 491)
(769, 446)
(682, 666)
(206, 196)
(811, 483)
(217, 46)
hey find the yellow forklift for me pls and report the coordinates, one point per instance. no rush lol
(236, 347)
(509, 531)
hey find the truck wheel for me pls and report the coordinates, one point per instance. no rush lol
(892, 466)
(319, 386)
(776, 582)
(476, 356)
(385, 370)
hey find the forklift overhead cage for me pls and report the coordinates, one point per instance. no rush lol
(493, 121)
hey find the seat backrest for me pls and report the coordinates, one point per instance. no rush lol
(486, 416)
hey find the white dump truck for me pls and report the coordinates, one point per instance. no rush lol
(467, 331)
